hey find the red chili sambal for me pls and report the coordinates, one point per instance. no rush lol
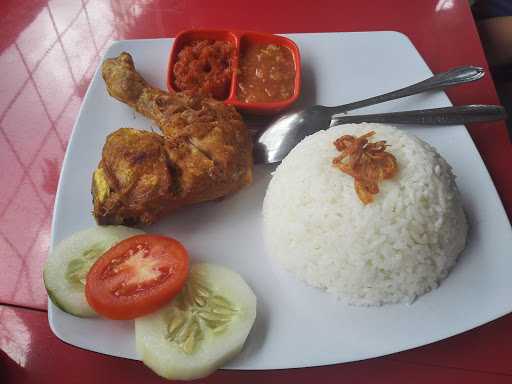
(266, 74)
(204, 66)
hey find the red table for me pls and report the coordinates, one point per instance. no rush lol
(48, 53)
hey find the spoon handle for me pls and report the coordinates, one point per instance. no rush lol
(440, 81)
(436, 116)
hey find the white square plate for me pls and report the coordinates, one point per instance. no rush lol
(298, 326)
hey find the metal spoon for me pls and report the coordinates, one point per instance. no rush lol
(281, 136)
(436, 116)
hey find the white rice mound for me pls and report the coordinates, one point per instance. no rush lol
(392, 250)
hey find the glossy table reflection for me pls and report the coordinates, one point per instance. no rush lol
(49, 51)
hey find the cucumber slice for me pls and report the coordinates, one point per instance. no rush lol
(67, 265)
(201, 329)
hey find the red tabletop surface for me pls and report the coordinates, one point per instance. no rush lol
(48, 53)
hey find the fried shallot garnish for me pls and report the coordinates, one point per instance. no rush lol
(368, 163)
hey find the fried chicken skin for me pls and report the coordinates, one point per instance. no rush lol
(204, 152)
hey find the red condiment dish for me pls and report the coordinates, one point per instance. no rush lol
(240, 41)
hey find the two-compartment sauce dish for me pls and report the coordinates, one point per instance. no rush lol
(255, 72)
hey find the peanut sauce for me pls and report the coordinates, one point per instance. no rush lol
(266, 74)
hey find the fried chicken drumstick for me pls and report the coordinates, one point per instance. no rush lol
(205, 152)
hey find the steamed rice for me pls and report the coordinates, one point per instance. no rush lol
(392, 250)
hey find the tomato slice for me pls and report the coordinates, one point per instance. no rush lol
(137, 276)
